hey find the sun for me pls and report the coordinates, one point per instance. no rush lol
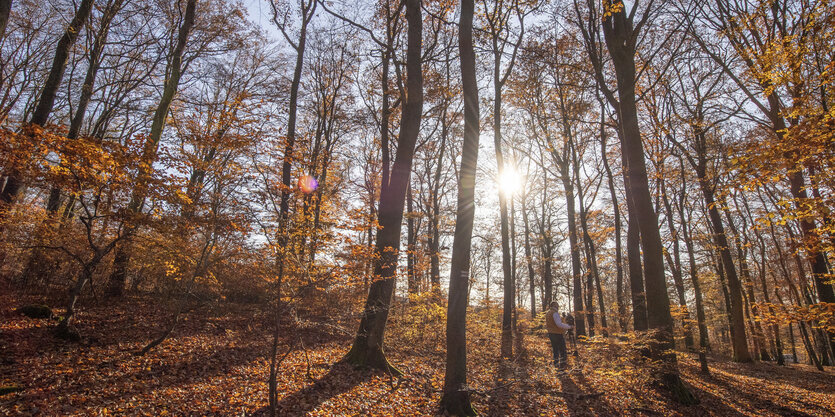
(509, 181)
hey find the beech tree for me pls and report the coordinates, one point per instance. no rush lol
(51, 84)
(456, 398)
(367, 349)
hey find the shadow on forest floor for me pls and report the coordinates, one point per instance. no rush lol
(340, 379)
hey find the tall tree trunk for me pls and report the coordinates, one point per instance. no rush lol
(577, 285)
(121, 260)
(59, 63)
(704, 344)
(507, 312)
(367, 349)
(54, 201)
(621, 304)
(684, 218)
(675, 267)
(593, 281)
(51, 84)
(35, 266)
(435, 220)
(590, 261)
(513, 257)
(547, 249)
(411, 239)
(620, 37)
(528, 256)
(723, 284)
(794, 345)
(745, 271)
(456, 395)
(740, 341)
(634, 267)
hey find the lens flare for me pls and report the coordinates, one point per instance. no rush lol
(308, 184)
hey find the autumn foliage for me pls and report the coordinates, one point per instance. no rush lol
(296, 208)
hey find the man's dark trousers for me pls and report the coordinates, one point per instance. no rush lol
(558, 346)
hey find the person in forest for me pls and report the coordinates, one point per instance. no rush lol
(556, 333)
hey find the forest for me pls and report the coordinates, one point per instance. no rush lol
(417, 207)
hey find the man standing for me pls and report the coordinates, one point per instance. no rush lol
(556, 332)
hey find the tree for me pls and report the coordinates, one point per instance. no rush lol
(456, 396)
(497, 21)
(149, 152)
(367, 349)
(703, 86)
(775, 59)
(621, 35)
(51, 84)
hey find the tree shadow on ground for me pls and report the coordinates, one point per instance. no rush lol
(580, 396)
(340, 379)
(498, 402)
(510, 372)
(751, 399)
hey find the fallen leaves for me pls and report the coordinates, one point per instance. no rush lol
(216, 364)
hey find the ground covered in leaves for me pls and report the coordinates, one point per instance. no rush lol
(215, 363)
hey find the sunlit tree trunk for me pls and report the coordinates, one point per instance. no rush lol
(704, 344)
(633, 257)
(435, 218)
(726, 297)
(579, 311)
(411, 240)
(456, 394)
(619, 298)
(528, 256)
(593, 279)
(754, 322)
(740, 341)
(546, 248)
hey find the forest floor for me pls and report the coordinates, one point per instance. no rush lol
(215, 363)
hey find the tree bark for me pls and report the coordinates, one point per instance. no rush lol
(507, 282)
(456, 395)
(547, 249)
(620, 37)
(675, 267)
(634, 267)
(747, 281)
(621, 305)
(528, 256)
(54, 201)
(367, 349)
(704, 343)
(435, 219)
(411, 240)
(577, 285)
